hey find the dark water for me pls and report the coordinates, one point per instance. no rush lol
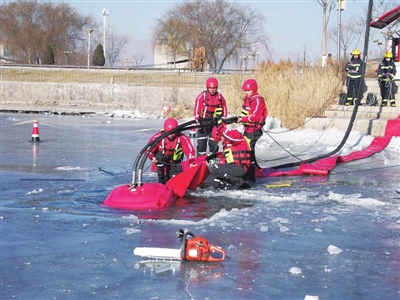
(59, 242)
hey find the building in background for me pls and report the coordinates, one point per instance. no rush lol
(164, 59)
(4, 55)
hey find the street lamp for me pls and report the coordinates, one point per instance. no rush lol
(89, 31)
(254, 54)
(105, 14)
(245, 58)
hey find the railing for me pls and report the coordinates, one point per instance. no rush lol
(102, 75)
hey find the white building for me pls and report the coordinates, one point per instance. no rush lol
(164, 59)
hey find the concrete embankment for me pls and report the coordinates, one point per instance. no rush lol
(86, 98)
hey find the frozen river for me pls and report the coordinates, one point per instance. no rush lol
(335, 237)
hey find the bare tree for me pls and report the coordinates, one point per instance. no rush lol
(327, 7)
(115, 44)
(349, 32)
(138, 58)
(171, 33)
(223, 28)
(28, 27)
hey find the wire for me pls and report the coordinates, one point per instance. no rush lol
(324, 105)
(358, 100)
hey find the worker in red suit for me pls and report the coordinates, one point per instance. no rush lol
(230, 170)
(168, 153)
(254, 114)
(208, 104)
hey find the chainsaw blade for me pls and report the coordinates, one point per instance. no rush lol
(159, 253)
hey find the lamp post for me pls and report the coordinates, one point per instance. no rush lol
(340, 5)
(89, 31)
(105, 14)
(245, 58)
(254, 54)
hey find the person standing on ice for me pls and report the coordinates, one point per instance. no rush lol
(208, 104)
(386, 74)
(353, 69)
(231, 169)
(167, 154)
(254, 114)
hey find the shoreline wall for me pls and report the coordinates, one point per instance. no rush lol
(107, 96)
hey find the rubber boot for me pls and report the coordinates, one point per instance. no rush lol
(349, 102)
(160, 173)
(251, 172)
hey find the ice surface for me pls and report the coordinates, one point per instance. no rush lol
(59, 242)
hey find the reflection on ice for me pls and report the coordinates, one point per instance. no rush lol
(60, 241)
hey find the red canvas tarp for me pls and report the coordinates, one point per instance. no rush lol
(325, 165)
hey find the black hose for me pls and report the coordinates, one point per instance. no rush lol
(144, 153)
(354, 114)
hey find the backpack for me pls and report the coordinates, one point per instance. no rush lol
(372, 99)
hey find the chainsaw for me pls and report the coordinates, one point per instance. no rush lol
(193, 248)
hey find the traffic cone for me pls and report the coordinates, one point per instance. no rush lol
(35, 132)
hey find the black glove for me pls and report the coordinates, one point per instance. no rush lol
(231, 120)
(211, 156)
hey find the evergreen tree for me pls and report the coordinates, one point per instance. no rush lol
(98, 56)
(48, 58)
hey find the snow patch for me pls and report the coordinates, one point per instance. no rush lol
(35, 192)
(334, 250)
(295, 270)
(70, 168)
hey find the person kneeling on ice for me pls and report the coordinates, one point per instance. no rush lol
(167, 154)
(231, 169)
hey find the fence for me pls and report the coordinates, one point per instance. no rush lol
(100, 75)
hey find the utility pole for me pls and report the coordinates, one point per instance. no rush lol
(341, 5)
(105, 14)
(89, 31)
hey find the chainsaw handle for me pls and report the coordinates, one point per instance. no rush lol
(217, 249)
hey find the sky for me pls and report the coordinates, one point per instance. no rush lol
(294, 26)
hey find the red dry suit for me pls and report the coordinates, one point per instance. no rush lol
(231, 170)
(208, 106)
(169, 154)
(254, 113)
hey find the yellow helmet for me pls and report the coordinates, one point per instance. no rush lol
(356, 52)
(388, 55)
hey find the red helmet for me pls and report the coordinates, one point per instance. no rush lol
(170, 124)
(212, 83)
(217, 133)
(250, 85)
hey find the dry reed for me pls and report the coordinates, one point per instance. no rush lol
(292, 94)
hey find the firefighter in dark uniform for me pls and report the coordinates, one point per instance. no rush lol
(354, 84)
(386, 74)
(254, 114)
(209, 104)
(231, 169)
(168, 153)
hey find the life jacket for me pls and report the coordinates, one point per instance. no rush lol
(237, 153)
(210, 107)
(247, 110)
(171, 149)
